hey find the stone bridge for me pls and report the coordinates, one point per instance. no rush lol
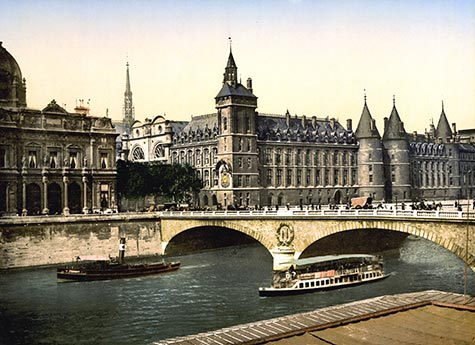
(286, 234)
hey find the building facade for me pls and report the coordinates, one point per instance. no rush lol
(247, 158)
(51, 161)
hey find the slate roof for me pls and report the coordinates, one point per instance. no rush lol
(237, 90)
(443, 127)
(394, 128)
(274, 127)
(364, 125)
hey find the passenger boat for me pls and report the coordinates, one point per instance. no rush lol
(88, 268)
(325, 272)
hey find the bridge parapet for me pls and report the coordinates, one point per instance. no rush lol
(420, 214)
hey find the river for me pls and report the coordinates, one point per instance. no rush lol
(211, 290)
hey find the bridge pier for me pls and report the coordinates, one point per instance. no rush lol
(283, 257)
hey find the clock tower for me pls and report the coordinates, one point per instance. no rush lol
(237, 166)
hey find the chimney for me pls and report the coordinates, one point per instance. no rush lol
(287, 118)
(349, 125)
(432, 130)
(386, 121)
(314, 121)
(249, 84)
(414, 136)
(304, 119)
(454, 128)
(373, 124)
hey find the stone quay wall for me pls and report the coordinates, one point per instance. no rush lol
(40, 241)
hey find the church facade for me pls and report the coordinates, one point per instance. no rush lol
(51, 161)
(247, 159)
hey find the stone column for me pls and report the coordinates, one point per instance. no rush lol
(65, 196)
(24, 211)
(85, 209)
(45, 195)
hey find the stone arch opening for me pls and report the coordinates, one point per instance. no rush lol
(74, 198)
(337, 197)
(33, 198)
(357, 241)
(3, 197)
(207, 238)
(54, 198)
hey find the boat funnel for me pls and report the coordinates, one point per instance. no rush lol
(121, 250)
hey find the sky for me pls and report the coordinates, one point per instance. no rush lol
(310, 57)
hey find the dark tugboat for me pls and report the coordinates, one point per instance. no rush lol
(87, 268)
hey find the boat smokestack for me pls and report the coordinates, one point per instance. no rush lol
(121, 250)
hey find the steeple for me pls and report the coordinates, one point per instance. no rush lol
(394, 128)
(129, 111)
(367, 125)
(443, 127)
(230, 73)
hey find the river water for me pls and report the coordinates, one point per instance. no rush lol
(211, 290)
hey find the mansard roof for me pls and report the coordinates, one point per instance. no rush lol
(443, 127)
(365, 127)
(394, 129)
(286, 128)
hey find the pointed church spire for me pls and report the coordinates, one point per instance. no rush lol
(128, 111)
(230, 73)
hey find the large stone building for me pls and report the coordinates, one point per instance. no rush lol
(246, 158)
(51, 161)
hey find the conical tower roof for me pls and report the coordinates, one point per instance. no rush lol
(395, 127)
(443, 127)
(366, 126)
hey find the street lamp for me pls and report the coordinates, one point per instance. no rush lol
(466, 239)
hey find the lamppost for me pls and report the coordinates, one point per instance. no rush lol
(466, 237)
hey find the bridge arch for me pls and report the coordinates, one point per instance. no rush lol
(243, 228)
(398, 226)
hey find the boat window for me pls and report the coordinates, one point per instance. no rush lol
(307, 284)
(312, 283)
(301, 285)
(318, 283)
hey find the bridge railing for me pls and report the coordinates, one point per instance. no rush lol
(377, 213)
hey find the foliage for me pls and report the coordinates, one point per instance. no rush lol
(177, 182)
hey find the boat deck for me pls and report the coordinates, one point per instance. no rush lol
(428, 317)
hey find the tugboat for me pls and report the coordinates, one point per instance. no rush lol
(325, 272)
(88, 268)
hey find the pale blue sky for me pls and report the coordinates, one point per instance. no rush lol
(312, 57)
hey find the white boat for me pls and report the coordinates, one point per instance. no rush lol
(325, 272)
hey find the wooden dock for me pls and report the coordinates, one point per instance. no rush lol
(433, 317)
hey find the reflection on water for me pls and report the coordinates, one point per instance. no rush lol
(211, 290)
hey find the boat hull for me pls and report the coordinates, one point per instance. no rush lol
(118, 272)
(270, 291)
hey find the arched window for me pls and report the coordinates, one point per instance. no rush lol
(158, 151)
(138, 153)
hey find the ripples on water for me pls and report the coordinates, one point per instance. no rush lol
(211, 290)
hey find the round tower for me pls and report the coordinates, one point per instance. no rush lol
(370, 157)
(396, 158)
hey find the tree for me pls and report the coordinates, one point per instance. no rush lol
(177, 182)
